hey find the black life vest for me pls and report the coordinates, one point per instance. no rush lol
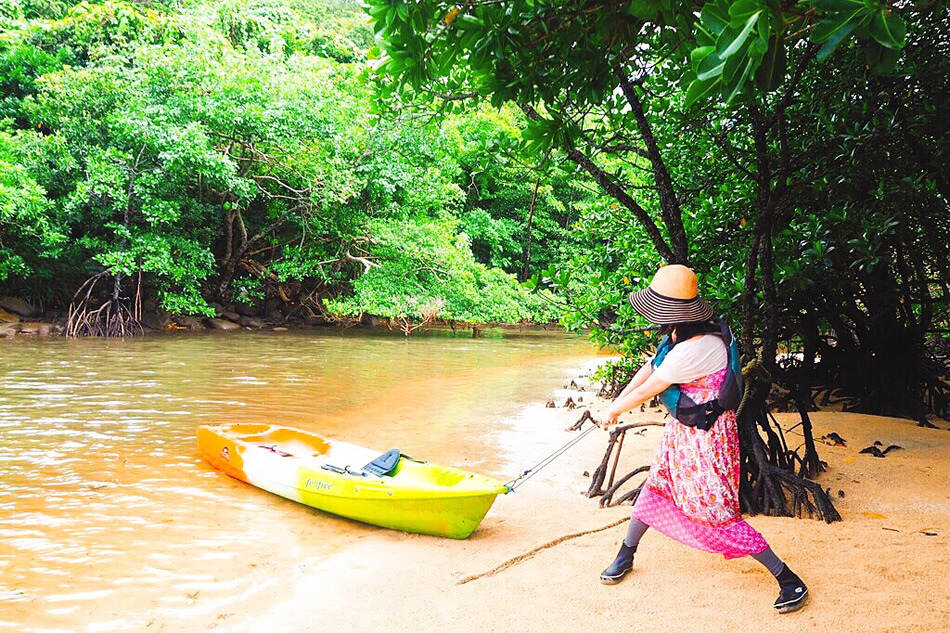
(681, 406)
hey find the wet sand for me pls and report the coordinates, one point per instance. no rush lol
(881, 569)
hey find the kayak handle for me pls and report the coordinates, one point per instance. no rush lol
(343, 471)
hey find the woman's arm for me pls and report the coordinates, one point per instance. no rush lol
(650, 387)
(638, 379)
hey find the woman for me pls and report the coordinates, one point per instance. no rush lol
(692, 492)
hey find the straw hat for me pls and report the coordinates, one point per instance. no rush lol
(672, 297)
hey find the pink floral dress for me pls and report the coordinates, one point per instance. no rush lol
(692, 492)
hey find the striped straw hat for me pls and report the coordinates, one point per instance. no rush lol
(672, 297)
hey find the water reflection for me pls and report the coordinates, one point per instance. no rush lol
(110, 522)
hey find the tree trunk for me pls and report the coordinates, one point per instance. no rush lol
(526, 260)
(236, 248)
(669, 204)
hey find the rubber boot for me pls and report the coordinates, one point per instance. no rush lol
(792, 592)
(620, 567)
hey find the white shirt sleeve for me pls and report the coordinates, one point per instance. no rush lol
(693, 359)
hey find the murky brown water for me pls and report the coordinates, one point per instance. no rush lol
(110, 522)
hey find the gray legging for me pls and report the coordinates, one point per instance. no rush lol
(768, 558)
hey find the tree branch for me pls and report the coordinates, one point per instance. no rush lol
(615, 191)
(365, 261)
(669, 205)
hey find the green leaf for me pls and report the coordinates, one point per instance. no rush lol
(888, 30)
(739, 39)
(838, 6)
(832, 30)
(741, 9)
(697, 55)
(711, 66)
(699, 89)
(715, 17)
(733, 89)
(644, 9)
(771, 72)
(470, 22)
(881, 60)
(731, 67)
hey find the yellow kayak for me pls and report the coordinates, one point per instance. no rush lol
(332, 476)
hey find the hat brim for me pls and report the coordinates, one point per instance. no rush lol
(663, 310)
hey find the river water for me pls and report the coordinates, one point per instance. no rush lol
(110, 522)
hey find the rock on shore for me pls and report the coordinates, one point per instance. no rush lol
(223, 324)
(19, 307)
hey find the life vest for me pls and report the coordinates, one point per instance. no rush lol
(681, 406)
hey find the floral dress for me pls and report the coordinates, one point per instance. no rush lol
(692, 492)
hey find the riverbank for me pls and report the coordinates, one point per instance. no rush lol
(881, 569)
(19, 318)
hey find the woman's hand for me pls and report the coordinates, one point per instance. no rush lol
(612, 416)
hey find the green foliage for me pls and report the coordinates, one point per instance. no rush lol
(226, 151)
(745, 39)
(273, 26)
(810, 189)
(614, 375)
(499, 189)
(735, 46)
(430, 270)
(28, 235)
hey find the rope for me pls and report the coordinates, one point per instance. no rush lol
(754, 366)
(530, 554)
(531, 472)
(747, 371)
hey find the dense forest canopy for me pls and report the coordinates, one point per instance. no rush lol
(794, 154)
(195, 155)
(283, 156)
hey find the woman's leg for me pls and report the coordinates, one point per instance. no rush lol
(770, 561)
(624, 561)
(635, 532)
(792, 591)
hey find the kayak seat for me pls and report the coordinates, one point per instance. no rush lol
(385, 464)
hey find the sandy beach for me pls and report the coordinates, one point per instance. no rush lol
(883, 568)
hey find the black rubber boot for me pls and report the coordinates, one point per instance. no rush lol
(620, 567)
(792, 592)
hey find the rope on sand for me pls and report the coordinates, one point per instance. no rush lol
(523, 557)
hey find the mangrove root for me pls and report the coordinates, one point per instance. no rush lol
(607, 498)
(768, 482)
(114, 315)
(600, 473)
(584, 418)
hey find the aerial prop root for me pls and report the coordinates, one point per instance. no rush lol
(616, 438)
(113, 318)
